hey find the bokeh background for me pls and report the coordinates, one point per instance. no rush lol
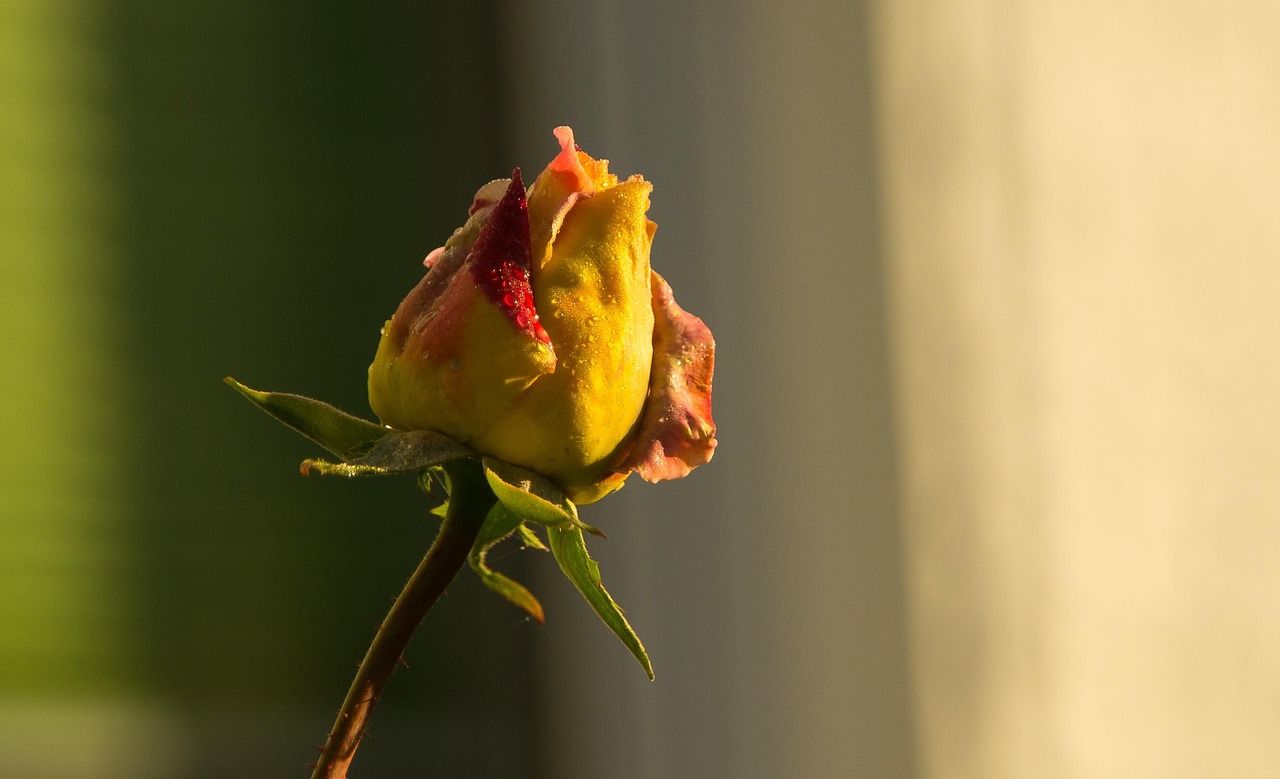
(996, 288)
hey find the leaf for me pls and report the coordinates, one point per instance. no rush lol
(345, 435)
(532, 496)
(499, 524)
(396, 452)
(570, 550)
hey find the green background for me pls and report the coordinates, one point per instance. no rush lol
(188, 191)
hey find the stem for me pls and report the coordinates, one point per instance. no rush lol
(469, 502)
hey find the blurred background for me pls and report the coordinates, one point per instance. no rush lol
(996, 288)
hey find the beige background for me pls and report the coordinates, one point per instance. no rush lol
(1066, 215)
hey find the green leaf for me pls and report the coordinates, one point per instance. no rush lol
(345, 435)
(499, 524)
(396, 452)
(532, 496)
(570, 550)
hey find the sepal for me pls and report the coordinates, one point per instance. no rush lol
(501, 523)
(396, 452)
(533, 497)
(570, 550)
(345, 435)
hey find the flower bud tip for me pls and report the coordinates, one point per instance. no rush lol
(567, 163)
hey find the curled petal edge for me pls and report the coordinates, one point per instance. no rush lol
(569, 165)
(677, 433)
(571, 176)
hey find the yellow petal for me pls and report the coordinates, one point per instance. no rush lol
(594, 297)
(467, 340)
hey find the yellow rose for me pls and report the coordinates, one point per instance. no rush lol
(541, 337)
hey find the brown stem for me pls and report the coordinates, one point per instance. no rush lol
(469, 502)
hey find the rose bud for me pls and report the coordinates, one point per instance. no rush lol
(541, 337)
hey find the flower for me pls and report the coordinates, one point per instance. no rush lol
(540, 336)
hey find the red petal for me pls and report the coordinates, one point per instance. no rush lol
(500, 260)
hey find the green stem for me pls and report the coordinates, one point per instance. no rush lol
(469, 502)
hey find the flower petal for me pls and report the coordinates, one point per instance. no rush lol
(443, 262)
(568, 164)
(500, 260)
(595, 299)
(467, 340)
(573, 174)
(677, 433)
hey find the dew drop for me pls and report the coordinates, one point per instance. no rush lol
(509, 301)
(521, 319)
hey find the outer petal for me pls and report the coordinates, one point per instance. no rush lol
(677, 433)
(467, 340)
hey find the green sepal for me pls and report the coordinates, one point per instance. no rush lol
(530, 538)
(345, 435)
(570, 550)
(499, 524)
(532, 497)
(396, 452)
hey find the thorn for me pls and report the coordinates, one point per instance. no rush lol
(320, 749)
(312, 766)
(402, 662)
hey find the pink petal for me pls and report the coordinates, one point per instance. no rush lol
(488, 195)
(676, 432)
(567, 163)
(498, 259)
